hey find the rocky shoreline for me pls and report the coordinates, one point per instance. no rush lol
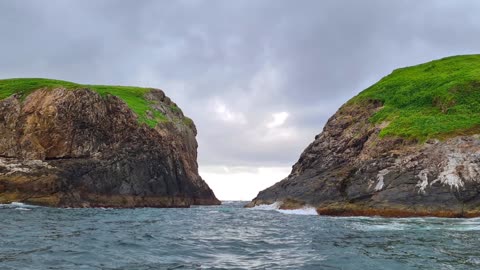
(351, 169)
(76, 148)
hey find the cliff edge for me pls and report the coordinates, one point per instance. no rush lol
(406, 146)
(68, 145)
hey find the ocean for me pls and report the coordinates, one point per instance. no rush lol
(229, 237)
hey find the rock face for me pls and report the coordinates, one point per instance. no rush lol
(350, 169)
(75, 148)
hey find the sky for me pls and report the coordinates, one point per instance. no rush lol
(259, 77)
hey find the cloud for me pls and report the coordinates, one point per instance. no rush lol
(232, 73)
(278, 119)
(225, 114)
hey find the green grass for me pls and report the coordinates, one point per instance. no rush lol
(132, 96)
(187, 121)
(24, 87)
(175, 109)
(438, 99)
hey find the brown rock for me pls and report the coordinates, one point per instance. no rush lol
(350, 170)
(70, 148)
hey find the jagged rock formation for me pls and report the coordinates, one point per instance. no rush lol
(352, 168)
(75, 148)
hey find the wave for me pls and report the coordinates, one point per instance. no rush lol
(414, 224)
(389, 226)
(23, 209)
(305, 211)
(17, 206)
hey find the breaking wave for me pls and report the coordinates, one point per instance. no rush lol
(17, 206)
(305, 211)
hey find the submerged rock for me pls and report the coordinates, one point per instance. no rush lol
(76, 148)
(353, 168)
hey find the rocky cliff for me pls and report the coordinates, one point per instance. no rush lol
(67, 145)
(407, 146)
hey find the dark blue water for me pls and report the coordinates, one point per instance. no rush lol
(229, 237)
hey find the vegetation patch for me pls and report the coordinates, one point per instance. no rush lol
(175, 109)
(438, 99)
(134, 97)
(187, 121)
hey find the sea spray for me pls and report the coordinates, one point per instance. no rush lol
(304, 211)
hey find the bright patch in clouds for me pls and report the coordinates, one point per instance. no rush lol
(278, 119)
(227, 115)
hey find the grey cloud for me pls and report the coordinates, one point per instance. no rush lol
(256, 57)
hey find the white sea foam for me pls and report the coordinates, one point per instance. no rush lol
(267, 207)
(17, 206)
(305, 211)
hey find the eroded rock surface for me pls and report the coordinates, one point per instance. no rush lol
(350, 170)
(75, 148)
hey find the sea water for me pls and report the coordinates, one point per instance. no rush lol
(229, 237)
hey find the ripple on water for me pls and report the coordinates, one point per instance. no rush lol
(229, 237)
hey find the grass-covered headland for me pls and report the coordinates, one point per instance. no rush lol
(438, 99)
(134, 97)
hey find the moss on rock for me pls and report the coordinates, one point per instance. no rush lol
(134, 97)
(438, 99)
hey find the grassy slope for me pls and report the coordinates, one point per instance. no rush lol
(133, 96)
(438, 99)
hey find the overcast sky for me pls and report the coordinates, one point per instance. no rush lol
(259, 77)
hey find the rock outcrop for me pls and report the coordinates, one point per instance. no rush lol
(75, 148)
(351, 169)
